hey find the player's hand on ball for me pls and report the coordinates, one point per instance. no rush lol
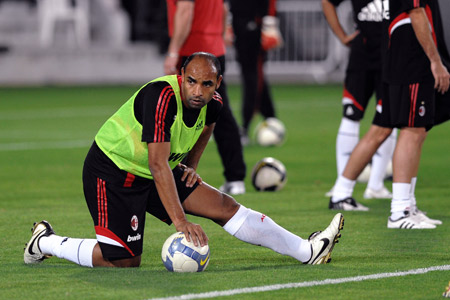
(194, 233)
(190, 176)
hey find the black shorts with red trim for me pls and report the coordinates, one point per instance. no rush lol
(118, 202)
(408, 105)
(359, 86)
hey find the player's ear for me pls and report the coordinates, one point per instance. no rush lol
(219, 81)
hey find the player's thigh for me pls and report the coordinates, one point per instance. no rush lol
(412, 105)
(208, 202)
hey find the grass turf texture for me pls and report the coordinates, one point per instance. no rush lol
(41, 179)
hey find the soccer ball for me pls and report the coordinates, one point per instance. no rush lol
(179, 255)
(270, 132)
(365, 174)
(389, 173)
(269, 174)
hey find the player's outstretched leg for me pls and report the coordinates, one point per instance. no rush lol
(33, 253)
(256, 228)
(322, 242)
(44, 243)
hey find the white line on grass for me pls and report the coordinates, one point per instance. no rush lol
(53, 113)
(266, 288)
(45, 145)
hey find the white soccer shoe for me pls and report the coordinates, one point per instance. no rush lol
(422, 216)
(233, 187)
(382, 193)
(33, 253)
(409, 221)
(322, 242)
(348, 204)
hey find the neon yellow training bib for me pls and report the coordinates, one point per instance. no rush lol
(120, 138)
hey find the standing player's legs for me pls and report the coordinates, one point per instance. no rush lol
(442, 114)
(358, 88)
(413, 112)
(264, 97)
(226, 134)
(258, 229)
(247, 45)
(383, 155)
(360, 157)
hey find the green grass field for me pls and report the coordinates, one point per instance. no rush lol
(45, 134)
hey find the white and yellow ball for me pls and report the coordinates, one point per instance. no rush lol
(179, 255)
(270, 132)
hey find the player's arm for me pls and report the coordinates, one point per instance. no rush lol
(184, 15)
(330, 13)
(158, 156)
(421, 26)
(194, 155)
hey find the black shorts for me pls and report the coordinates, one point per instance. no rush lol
(359, 87)
(408, 105)
(118, 202)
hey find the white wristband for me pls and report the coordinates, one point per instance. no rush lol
(172, 54)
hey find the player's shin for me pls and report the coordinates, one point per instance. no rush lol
(78, 251)
(258, 229)
(380, 161)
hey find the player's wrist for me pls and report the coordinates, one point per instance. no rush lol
(173, 54)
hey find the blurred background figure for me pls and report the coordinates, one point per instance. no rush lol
(194, 26)
(362, 81)
(249, 19)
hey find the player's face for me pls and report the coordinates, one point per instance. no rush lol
(199, 82)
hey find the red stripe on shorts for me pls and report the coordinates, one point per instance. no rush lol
(413, 91)
(129, 180)
(102, 204)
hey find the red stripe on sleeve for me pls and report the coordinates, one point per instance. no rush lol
(396, 20)
(164, 113)
(217, 97)
(161, 110)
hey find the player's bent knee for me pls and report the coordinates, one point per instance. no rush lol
(229, 208)
(379, 134)
(231, 205)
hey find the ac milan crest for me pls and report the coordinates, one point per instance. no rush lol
(422, 111)
(134, 223)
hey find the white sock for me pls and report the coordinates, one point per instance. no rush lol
(400, 199)
(380, 160)
(412, 196)
(258, 229)
(343, 188)
(78, 251)
(347, 138)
